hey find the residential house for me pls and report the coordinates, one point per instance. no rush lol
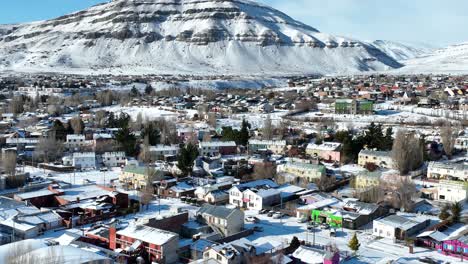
(215, 148)
(114, 159)
(451, 191)
(367, 179)
(257, 199)
(222, 220)
(329, 151)
(275, 146)
(76, 142)
(382, 159)
(236, 193)
(398, 227)
(160, 245)
(448, 171)
(354, 107)
(356, 214)
(84, 160)
(310, 255)
(237, 252)
(134, 176)
(161, 152)
(302, 169)
(456, 244)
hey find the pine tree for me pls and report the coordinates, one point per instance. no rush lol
(353, 244)
(456, 209)
(244, 133)
(127, 141)
(148, 89)
(186, 158)
(444, 214)
(151, 131)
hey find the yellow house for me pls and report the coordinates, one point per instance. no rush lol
(367, 179)
(309, 171)
(134, 176)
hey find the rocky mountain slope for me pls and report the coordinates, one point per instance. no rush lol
(183, 36)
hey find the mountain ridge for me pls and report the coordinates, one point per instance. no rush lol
(184, 36)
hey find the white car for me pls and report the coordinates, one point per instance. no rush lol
(252, 219)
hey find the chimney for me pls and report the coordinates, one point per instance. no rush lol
(112, 237)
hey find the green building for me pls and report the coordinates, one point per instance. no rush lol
(354, 107)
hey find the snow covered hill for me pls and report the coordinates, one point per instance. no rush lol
(453, 59)
(401, 51)
(183, 37)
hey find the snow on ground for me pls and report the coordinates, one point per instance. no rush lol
(256, 120)
(78, 177)
(149, 113)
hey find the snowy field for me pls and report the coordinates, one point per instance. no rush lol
(77, 178)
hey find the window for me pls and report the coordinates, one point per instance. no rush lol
(218, 257)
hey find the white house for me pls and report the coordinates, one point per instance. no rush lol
(448, 171)
(161, 151)
(256, 199)
(84, 160)
(114, 159)
(451, 191)
(75, 141)
(398, 227)
(236, 193)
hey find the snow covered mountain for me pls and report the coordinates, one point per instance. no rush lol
(401, 51)
(183, 37)
(453, 59)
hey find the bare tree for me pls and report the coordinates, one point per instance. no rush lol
(17, 105)
(267, 130)
(448, 137)
(325, 182)
(9, 162)
(264, 171)
(77, 125)
(100, 118)
(48, 149)
(147, 191)
(212, 120)
(407, 152)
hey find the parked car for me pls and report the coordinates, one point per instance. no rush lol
(252, 219)
(324, 226)
(302, 220)
(271, 213)
(278, 215)
(263, 211)
(332, 233)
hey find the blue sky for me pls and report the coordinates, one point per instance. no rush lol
(434, 22)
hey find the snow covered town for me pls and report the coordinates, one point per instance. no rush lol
(363, 169)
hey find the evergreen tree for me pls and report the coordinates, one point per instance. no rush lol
(59, 132)
(149, 89)
(444, 213)
(127, 141)
(244, 133)
(152, 133)
(134, 92)
(186, 158)
(388, 139)
(456, 209)
(353, 244)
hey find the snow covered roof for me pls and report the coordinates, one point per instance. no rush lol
(434, 234)
(309, 255)
(148, 234)
(327, 146)
(397, 221)
(267, 142)
(216, 211)
(208, 144)
(29, 195)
